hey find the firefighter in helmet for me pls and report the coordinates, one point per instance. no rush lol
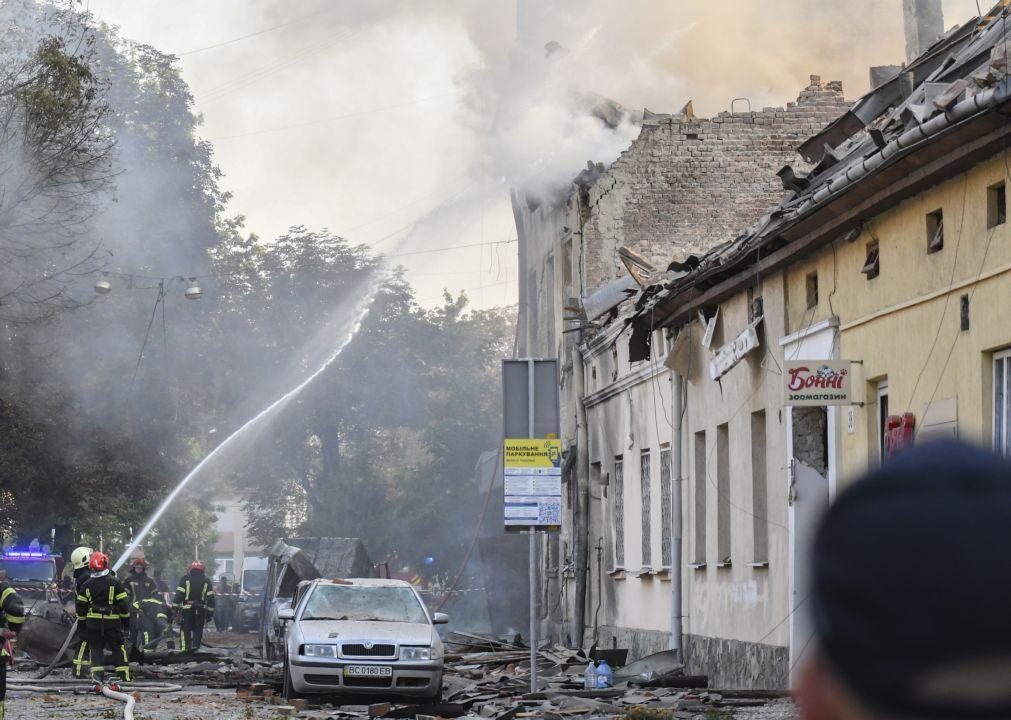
(148, 617)
(194, 598)
(82, 658)
(106, 609)
(12, 618)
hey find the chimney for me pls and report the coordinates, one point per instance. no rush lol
(924, 22)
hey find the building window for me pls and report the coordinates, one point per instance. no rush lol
(225, 566)
(647, 510)
(666, 507)
(935, 231)
(759, 489)
(699, 555)
(723, 495)
(811, 285)
(872, 263)
(882, 418)
(996, 205)
(619, 512)
(567, 263)
(1001, 404)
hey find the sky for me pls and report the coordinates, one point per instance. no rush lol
(402, 124)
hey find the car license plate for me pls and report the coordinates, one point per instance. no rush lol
(368, 671)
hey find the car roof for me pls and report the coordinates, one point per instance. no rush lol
(364, 582)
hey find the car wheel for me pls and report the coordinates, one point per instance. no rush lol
(287, 689)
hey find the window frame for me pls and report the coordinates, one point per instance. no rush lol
(646, 507)
(1000, 445)
(882, 394)
(666, 508)
(618, 511)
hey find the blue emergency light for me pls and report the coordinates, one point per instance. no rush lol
(26, 555)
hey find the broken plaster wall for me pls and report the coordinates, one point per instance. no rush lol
(686, 185)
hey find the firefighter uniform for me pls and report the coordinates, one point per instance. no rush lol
(12, 617)
(82, 656)
(106, 609)
(148, 616)
(194, 598)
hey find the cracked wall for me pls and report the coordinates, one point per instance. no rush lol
(684, 186)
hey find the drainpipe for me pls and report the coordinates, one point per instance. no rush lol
(677, 516)
(582, 519)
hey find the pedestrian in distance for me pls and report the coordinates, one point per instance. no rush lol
(193, 600)
(911, 584)
(79, 559)
(12, 619)
(223, 605)
(105, 606)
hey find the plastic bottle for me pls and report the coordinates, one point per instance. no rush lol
(605, 675)
(590, 676)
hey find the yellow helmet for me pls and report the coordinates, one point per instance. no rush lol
(79, 558)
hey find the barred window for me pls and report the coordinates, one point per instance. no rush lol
(666, 507)
(647, 510)
(619, 512)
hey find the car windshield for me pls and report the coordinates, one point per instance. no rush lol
(364, 602)
(28, 570)
(254, 580)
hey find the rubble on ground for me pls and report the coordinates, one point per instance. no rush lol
(485, 679)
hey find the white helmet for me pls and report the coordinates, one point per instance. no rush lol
(79, 558)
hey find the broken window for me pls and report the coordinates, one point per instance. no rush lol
(872, 264)
(811, 285)
(646, 510)
(666, 507)
(567, 263)
(723, 495)
(935, 231)
(759, 489)
(619, 512)
(699, 556)
(996, 205)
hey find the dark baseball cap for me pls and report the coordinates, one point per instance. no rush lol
(911, 593)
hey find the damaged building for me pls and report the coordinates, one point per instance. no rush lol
(680, 187)
(680, 286)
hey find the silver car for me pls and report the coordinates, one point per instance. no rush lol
(363, 636)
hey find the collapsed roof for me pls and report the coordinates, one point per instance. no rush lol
(862, 155)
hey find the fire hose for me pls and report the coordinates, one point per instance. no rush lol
(58, 686)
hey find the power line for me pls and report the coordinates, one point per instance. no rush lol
(229, 86)
(451, 247)
(333, 118)
(252, 34)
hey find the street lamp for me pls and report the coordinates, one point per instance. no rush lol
(193, 292)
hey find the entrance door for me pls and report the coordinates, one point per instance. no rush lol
(809, 500)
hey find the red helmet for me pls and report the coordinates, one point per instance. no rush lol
(138, 562)
(98, 562)
(197, 565)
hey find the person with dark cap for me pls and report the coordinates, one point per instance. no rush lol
(911, 592)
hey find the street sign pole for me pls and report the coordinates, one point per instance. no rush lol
(533, 541)
(531, 466)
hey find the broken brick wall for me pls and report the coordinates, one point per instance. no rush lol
(686, 185)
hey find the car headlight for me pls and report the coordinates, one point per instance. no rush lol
(322, 651)
(415, 653)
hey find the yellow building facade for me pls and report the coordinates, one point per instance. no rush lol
(929, 330)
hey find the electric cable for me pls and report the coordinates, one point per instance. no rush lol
(252, 34)
(333, 118)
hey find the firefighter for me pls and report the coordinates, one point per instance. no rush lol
(148, 617)
(12, 619)
(194, 597)
(82, 658)
(105, 606)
